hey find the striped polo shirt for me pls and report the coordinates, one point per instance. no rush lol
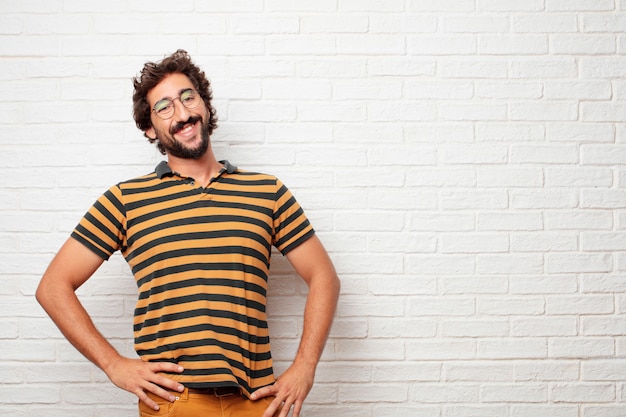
(200, 257)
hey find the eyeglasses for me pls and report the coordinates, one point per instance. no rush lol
(165, 108)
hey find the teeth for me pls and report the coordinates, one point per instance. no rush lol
(186, 129)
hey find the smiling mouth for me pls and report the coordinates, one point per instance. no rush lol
(185, 127)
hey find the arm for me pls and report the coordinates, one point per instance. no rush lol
(69, 269)
(312, 263)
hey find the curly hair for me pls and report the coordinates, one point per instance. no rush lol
(153, 73)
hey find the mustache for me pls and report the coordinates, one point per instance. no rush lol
(180, 125)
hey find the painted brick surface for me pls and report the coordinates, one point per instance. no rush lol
(462, 160)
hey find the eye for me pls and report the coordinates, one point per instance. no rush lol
(163, 106)
(187, 96)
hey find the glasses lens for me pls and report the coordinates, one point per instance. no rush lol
(164, 108)
(190, 99)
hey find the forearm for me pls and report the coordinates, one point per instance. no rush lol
(319, 313)
(66, 311)
(69, 269)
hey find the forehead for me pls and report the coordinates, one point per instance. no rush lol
(170, 86)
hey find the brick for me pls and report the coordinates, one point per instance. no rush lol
(579, 220)
(583, 44)
(470, 285)
(371, 5)
(405, 243)
(552, 327)
(553, 198)
(602, 22)
(602, 326)
(433, 306)
(602, 241)
(441, 222)
(578, 177)
(475, 328)
(527, 44)
(602, 67)
(543, 242)
(465, 112)
(444, 393)
(438, 264)
(603, 198)
(602, 112)
(508, 5)
(441, 349)
(473, 200)
(602, 370)
(509, 90)
(546, 370)
(580, 132)
(441, 6)
(484, 371)
(555, 410)
(509, 221)
(441, 45)
(407, 372)
(519, 348)
(473, 243)
(548, 111)
(543, 22)
(475, 24)
(604, 411)
(403, 23)
(474, 154)
(581, 262)
(580, 347)
(394, 328)
(582, 392)
(300, 6)
(509, 177)
(368, 350)
(367, 89)
(553, 284)
(549, 67)
(527, 393)
(475, 410)
(509, 264)
(260, 24)
(24, 394)
(582, 5)
(473, 68)
(392, 393)
(506, 306)
(440, 177)
(332, 23)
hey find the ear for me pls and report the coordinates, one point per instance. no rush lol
(150, 133)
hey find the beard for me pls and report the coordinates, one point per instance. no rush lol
(178, 149)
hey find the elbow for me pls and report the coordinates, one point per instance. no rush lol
(40, 293)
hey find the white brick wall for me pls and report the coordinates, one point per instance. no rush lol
(463, 161)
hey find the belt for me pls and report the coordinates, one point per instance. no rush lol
(217, 391)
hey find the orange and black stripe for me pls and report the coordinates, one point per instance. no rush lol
(200, 257)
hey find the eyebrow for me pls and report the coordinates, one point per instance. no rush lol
(180, 92)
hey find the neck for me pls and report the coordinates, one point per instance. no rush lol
(202, 170)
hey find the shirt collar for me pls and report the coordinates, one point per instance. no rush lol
(163, 169)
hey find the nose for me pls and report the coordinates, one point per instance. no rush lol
(181, 113)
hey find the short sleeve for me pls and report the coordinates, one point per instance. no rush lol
(102, 228)
(291, 226)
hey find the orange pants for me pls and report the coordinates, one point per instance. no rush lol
(201, 404)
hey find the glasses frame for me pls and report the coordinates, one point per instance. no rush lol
(171, 100)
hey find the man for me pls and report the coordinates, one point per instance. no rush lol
(197, 234)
